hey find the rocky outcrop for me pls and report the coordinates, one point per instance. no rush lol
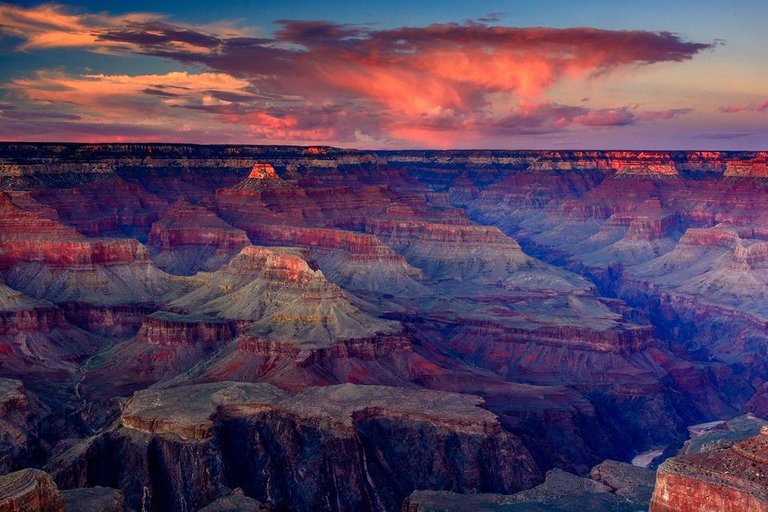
(346, 437)
(451, 251)
(263, 178)
(36, 234)
(94, 499)
(730, 479)
(29, 490)
(38, 343)
(191, 238)
(237, 501)
(18, 431)
(104, 208)
(288, 300)
(170, 329)
(561, 491)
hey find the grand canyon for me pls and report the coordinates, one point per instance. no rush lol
(244, 327)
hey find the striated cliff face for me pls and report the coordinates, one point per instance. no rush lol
(598, 301)
(29, 489)
(336, 440)
(170, 329)
(287, 299)
(729, 479)
(190, 238)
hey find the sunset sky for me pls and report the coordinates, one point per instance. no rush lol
(442, 74)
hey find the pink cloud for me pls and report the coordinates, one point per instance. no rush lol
(315, 81)
(752, 107)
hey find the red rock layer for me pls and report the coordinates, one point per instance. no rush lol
(116, 320)
(28, 235)
(29, 490)
(40, 320)
(184, 224)
(730, 480)
(168, 329)
(405, 232)
(104, 208)
(358, 245)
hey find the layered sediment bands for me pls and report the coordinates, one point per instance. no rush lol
(37, 342)
(114, 321)
(19, 313)
(171, 329)
(166, 345)
(286, 299)
(357, 261)
(29, 489)
(473, 253)
(35, 235)
(730, 479)
(405, 269)
(756, 167)
(190, 238)
(365, 349)
(261, 430)
(32, 233)
(46, 260)
(358, 245)
(137, 282)
(387, 359)
(423, 240)
(622, 341)
(66, 253)
(105, 208)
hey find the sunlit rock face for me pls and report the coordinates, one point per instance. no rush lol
(722, 478)
(491, 322)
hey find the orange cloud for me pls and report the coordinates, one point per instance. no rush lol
(319, 81)
(50, 26)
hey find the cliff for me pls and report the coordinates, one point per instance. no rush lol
(189, 238)
(232, 430)
(29, 489)
(735, 478)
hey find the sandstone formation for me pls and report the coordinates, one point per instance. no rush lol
(191, 238)
(29, 490)
(729, 479)
(334, 439)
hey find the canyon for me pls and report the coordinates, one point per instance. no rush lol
(311, 328)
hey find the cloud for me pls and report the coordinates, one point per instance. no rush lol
(51, 26)
(751, 107)
(315, 80)
(625, 115)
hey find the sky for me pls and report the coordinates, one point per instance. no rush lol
(594, 74)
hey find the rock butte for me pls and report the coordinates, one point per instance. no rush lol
(486, 322)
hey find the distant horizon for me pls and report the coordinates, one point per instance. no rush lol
(378, 150)
(441, 75)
